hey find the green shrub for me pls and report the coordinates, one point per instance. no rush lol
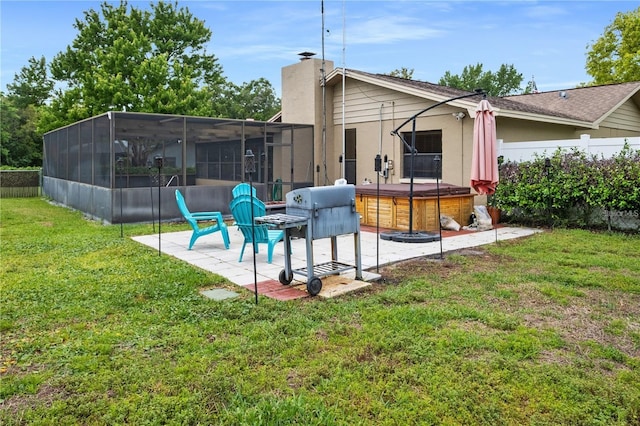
(567, 187)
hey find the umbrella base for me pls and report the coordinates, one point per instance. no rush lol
(410, 237)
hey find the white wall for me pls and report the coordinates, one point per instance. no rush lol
(525, 151)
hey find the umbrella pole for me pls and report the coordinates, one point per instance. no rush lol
(413, 155)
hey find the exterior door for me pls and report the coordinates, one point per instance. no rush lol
(350, 156)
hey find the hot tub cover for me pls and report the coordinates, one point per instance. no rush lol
(419, 190)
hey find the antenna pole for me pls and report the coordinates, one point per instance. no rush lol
(344, 78)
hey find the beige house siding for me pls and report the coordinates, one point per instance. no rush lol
(364, 102)
(376, 106)
(623, 120)
(375, 111)
(513, 130)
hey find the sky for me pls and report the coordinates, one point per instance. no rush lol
(544, 40)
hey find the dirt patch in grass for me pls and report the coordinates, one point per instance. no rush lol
(606, 318)
(580, 316)
(45, 396)
(442, 267)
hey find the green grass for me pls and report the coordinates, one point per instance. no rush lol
(98, 329)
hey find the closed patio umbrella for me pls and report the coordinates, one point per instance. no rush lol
(484, 163)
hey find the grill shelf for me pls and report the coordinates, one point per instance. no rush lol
(324, 269)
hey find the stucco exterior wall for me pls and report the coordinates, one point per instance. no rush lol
(302, 100)
(373, 111)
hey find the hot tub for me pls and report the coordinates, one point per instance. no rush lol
(455, 201)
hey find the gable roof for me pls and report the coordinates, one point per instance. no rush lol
(582, 107)
(593, 103)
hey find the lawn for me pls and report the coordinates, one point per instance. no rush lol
(98, 329)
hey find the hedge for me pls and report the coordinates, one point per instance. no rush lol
(570, 188)
(19, 183)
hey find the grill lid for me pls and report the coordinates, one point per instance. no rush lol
(321, 197)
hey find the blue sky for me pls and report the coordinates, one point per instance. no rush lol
(252, 39)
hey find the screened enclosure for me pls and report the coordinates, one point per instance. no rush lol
(124, 167)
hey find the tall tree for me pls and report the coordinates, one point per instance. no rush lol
(615, 56)
(138, 60)
(21, 140)
(506, 81)
(32, 85)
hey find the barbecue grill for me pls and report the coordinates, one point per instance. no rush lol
(325, 212)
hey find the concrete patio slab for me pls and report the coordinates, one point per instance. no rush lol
(209, 253)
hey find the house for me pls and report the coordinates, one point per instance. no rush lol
(366, 108)
(106, 166)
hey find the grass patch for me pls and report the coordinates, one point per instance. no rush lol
(98, 329)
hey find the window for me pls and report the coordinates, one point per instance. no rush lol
(428, 146)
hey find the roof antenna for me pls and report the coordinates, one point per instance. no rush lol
(532, 85)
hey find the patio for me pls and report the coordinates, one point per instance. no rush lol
(209, 254)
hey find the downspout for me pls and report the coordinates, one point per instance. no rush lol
(461, 151)
(380, 132)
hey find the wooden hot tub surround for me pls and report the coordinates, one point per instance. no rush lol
(455, 201)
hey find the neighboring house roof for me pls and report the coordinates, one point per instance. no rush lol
(583, 107)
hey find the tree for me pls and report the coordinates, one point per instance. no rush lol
(129, 59)
(615, 56)
(256, 99)
(402, 73)
(20, 143)
(32, 86)
(505, 81)
(21, 140)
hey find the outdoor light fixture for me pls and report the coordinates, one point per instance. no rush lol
(249, 162)
(459, 115)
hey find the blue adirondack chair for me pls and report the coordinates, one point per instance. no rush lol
(241, 210)
(195, 217)
(243, 189)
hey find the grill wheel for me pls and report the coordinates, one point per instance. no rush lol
(314, 285)
(284, 280)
